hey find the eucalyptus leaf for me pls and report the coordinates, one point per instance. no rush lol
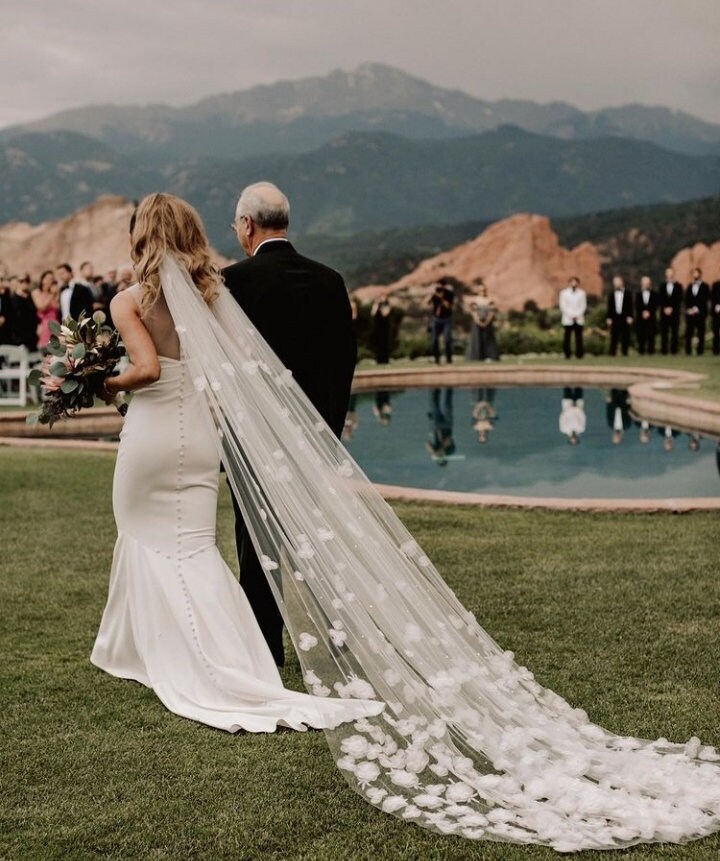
(34, 376)
(58, 369)
(54, 327)
(68, 386)
(32, 419)
(79, 351)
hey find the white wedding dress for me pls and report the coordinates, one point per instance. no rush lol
(456, 736)
(176, 618)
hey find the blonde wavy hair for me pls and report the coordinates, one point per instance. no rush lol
(164, 224)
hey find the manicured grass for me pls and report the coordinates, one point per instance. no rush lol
(618, 613)
(706, 364)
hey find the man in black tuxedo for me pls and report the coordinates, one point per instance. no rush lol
(75, 296)
(619, 316)
(302, 310)
(669, 302)
(697, 298)
(646, 317)
(715, 316)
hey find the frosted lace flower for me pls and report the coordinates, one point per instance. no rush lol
(392, 677)
(284, 474)
(305, 551)
(429, 802)
(345, 469)
(200, 384)
(228, 368)
(375, 795)
(366, 772)
(355, 746)
(338, 637)
(298, 576)
(307, 642)
(392, 803)
(412, 634)
(473, 819)
(180, 330)
(411, 812)
(403, 778)
(321, 690)
(250, 368)
(438, 769)
(424, 562)
(311, 678)
(416, 760)
(361, 689)
(325, 534)
(267, 563)
(215, 386)
(459, 792)
(347, 763)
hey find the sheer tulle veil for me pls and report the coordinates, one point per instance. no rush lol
(468, 743)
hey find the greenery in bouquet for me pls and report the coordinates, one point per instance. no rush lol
(82, 355)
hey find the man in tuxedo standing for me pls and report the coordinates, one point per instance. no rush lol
(669, 301)
(645, 317)
(75, 296)
(302, 310)
(715, 316)
(619, 316)
(697, 298)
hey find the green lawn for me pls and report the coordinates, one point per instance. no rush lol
(619, 613)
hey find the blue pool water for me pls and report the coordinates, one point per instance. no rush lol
(509, 440)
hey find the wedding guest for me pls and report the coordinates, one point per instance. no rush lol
(483, 343)
(670, 301)
(441, 444)
(47, 306)
(617, 412)
(693, 442)
(6, 313)
(382, 408)
(644, 435)
(715, 317)
(441, 301)
(125, 278)
(668, 434)
(572, 421)
(352, 420)
(25, 319)
(484, 414)
(380, 314)
(697, 298)
(619, 316)
(573, 305)
(75, 296)
(646, 303)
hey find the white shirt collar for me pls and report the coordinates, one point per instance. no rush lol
(271, 239)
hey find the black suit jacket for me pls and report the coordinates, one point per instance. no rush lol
(302, 310)
(700, 301)
(81, 300)
(651, 306)
(627, 306)
(715, 298)
(674, 300)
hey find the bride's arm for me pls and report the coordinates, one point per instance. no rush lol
(145, 366)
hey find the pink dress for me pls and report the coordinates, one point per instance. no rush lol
(52, 312)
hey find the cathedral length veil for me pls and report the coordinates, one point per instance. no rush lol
(469, 743)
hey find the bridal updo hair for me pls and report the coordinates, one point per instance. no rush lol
(164, 224)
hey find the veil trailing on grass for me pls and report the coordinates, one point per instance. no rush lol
(469, 743)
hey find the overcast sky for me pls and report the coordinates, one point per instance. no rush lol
(592, 53)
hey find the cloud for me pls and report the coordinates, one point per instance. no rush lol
(60, 55)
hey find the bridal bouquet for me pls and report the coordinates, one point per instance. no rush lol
(83, 354)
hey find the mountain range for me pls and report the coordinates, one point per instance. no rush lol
(363, 180)
(302, 115)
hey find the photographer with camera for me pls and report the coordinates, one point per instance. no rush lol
(441, 301)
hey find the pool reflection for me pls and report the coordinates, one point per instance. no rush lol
(571, 441)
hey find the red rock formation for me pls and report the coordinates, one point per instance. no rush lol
(98, 232)
(705, 257)
(519, 258)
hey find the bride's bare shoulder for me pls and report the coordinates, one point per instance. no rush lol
(128, 300)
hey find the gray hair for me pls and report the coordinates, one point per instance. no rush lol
(265, 204)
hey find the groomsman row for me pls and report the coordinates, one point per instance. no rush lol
(648, 312)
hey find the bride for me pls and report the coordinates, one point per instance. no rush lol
(427, 717)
